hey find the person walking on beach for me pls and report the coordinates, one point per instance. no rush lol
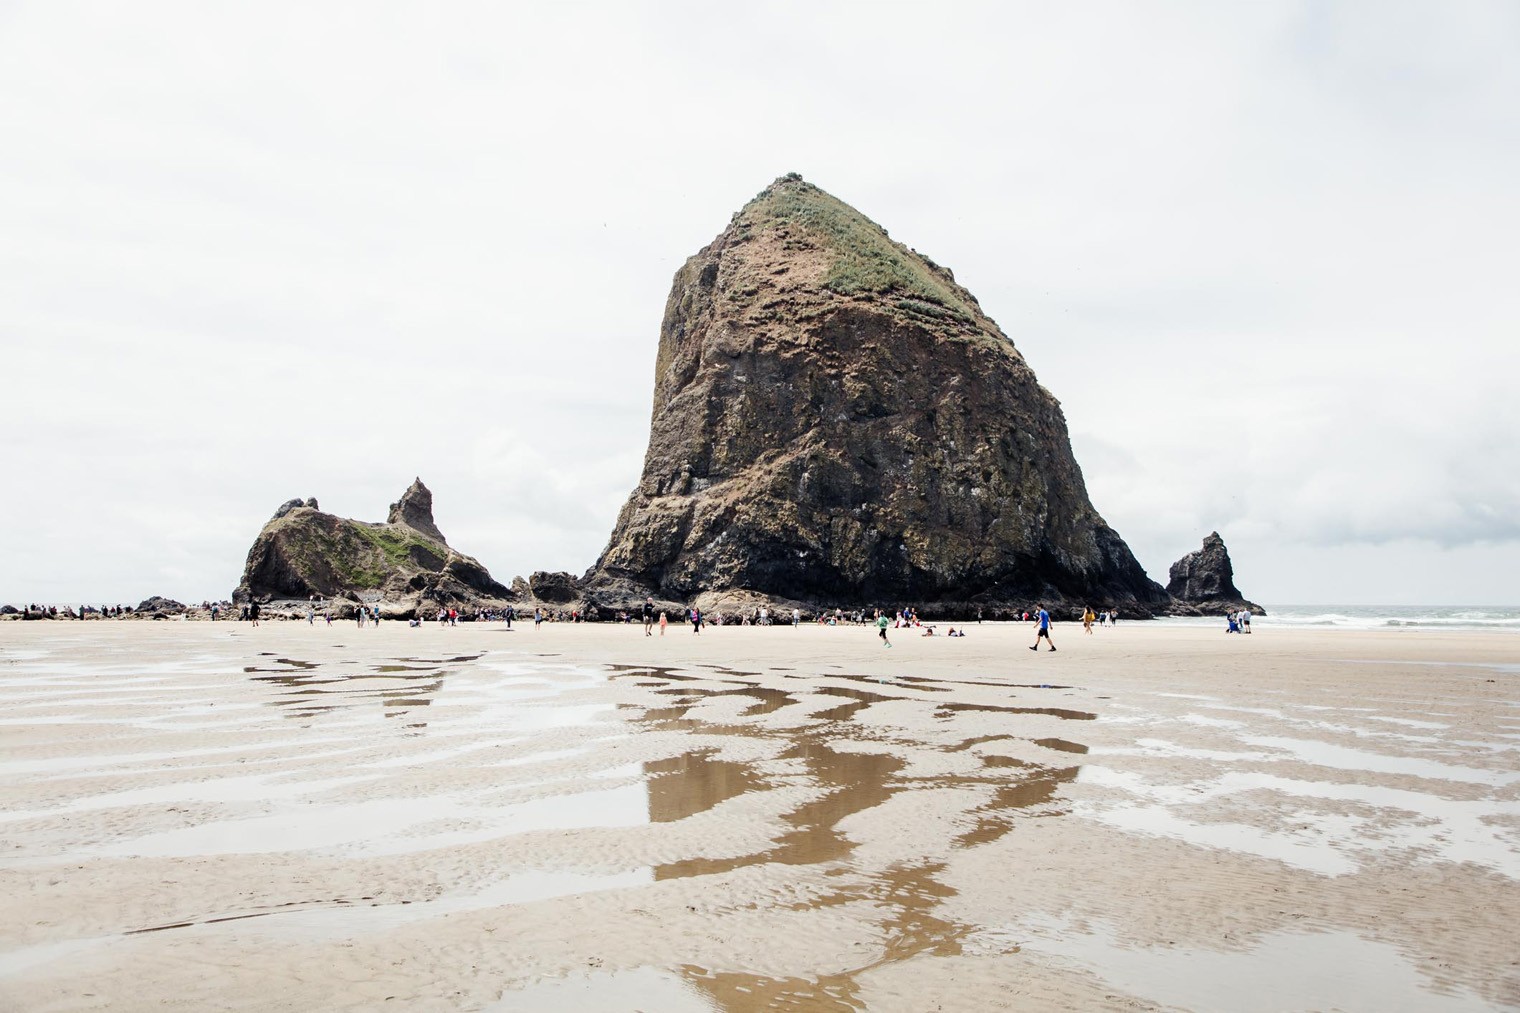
(253, 612)
(1087, 619)
(663, 623)
(648, 617)
(796, 618)
(1042, 628)
(696, 619)
(882, 622)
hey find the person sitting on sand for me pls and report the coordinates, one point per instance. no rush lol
(928, 631)
(955, 632)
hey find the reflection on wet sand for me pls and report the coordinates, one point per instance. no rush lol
(844, 712)
(398, 687)
(854, 782)
(683, 786)
(946, 709)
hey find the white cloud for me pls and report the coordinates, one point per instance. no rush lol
(1262, 253)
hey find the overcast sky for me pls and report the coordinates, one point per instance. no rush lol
(1265, 254)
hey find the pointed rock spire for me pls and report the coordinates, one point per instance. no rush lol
(1207, 577)
(415, 510)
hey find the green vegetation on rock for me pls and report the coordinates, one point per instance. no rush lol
(302, 552)
(396, 543)
(866, 260)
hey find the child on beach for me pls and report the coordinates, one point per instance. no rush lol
(881, 628)
(663, 622)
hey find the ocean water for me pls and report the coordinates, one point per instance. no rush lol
(1383, 617)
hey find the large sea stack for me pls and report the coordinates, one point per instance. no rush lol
(404, 564)
(1205, 580)
(837, 422)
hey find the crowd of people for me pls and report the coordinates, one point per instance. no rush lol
(652, 617)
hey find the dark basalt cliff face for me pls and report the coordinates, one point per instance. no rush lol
(1206, 578)
(836, 421)
(404, 563)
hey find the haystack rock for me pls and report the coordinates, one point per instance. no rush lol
(1206, 579)
(836, 421)
(405, 564)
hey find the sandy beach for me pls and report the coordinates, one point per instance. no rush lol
(212, 816)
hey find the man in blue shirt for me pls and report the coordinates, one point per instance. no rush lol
(1042, 628)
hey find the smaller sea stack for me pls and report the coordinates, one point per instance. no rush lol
(404, 565)
(1206, 580)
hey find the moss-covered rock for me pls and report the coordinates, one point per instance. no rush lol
(837, 421)
(303, 553)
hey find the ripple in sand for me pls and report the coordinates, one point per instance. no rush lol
(1281, 970)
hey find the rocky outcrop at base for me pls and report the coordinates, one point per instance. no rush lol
(159, 604)
(403, 565)
(836, 421)
(1203, 582)
(554, 588)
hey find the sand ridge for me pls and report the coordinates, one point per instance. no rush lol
(580, 817)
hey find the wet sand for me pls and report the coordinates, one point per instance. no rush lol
(210, 816)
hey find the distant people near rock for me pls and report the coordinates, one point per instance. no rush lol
(1205, 580)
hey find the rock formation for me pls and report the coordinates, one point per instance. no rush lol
(414, 510)
(404, 564)
(292, 504)
(554, 588)
(158, 603)
(1207, 578)
(836, 421)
